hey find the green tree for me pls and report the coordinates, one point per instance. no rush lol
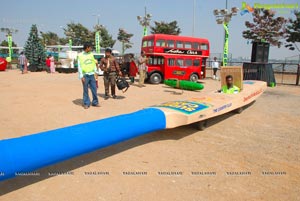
(165, 28)
(265, 27)
(106, 39)
(34, 50)
(124, 38)
(293, 32)
(5, 44)
(50, 38)
(78, 33)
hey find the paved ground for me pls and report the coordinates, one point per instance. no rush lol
(250, 156)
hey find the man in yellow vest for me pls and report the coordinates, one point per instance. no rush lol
(229, 88)
(87, 67)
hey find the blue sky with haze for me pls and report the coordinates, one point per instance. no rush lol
(115, 14)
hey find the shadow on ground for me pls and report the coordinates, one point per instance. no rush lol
(110, 97)
(80, 161)
(78, 102)
(174, 92)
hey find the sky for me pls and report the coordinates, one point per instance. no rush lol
(115, 14)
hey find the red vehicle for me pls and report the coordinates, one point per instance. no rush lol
(172, 56)
(3, 64)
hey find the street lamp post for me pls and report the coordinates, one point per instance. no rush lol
(224, 16)
(194, 19)
(98, 18)
(145, 21)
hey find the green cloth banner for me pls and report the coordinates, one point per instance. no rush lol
(97, 41)
(145, 31)
(225, 52)
(9, 40)
(70, 44)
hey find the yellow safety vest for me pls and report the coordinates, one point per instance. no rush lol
(87, 62)
(232, 90)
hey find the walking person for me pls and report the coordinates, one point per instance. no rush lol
(111, 69)
(52, 64)
(23, 62)
(87, 67)
(215, 67)
(143, 68)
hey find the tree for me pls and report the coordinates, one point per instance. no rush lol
(5, 44)
(106, 39)
(124, 38)
(293, 32)
(78, 33)
(50, 38)
(265, 27)
(165, 28)
(34, 50)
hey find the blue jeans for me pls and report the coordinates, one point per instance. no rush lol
(90, 81)
(22, 67)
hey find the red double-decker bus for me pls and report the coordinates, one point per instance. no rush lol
(178, 57)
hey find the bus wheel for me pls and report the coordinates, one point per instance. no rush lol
(201, 125)
(194, 77)
(155, 78)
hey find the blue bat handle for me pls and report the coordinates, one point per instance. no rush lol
(29, 153)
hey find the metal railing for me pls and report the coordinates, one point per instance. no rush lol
(285, 72)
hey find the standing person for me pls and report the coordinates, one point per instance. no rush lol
(87, 67)
(132, 68)
(26, 66)
(48, 63)
(22, 61)
(52, 64)
(215, 67)
(143, 68)
(111, 69)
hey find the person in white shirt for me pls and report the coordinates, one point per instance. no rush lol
(143, 68)
(215, 67)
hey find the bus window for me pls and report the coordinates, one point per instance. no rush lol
(188, 62)
(196, 46)
(156, 60)
(160, 60)
(150, 61)
(170, 43)
(204, 46)
(150, 43)
(179, 62)
(145, 43)
(160, 43)
(196, 62)
(188, 45)
(171, 62)
(179, 44)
